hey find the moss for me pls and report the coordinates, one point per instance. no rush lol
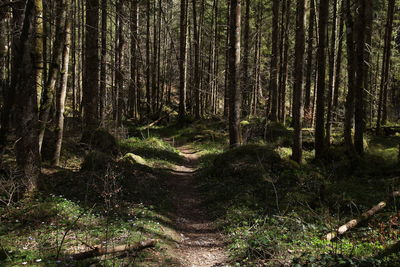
(132, 158)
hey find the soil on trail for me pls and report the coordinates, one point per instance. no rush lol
(201, 244)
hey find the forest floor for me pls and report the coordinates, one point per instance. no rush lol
(205, 204)
(201, 244)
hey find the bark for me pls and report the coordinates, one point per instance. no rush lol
(339, 56)
(284, 64)
(62, 91)
(39, 48)
(332, 68)
(16, 58)
(3, 56)
(274, 61)
(91, 66)
(349, 113)
(50, 86)
(148, 89)
(196, 38)
(120, 62)
(27, 149)
(298, 83)
(183, 61)
(246, 85)
(321, 58)
(103, 59)
(234, 73)
(226, 90)
(309, 64)
(359, 112)
(382, 106)
(134, 86)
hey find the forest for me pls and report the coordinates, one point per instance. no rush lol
(199, 133)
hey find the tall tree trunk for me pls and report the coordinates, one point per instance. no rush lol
(382, 107)
(196, 38)
(234, 73)
(309, 64)
(27, 149)
(182, 61)
(274, 61)
(134, 86)
(39, 48)
(120, 70)
(103, 59)
(226, 89)
(148, 89)
(349, 115)
(339, 56)
(16, 57)
(284, 63)
(359, 114)
(246, 85)
(321, 58)
(298, 83)
(62, 91)
(332, 68)
(91, 79)
(50, 86)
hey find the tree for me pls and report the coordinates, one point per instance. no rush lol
(298, 83)
(103, 65)
(62, 90)
(50, 86)
(246, 86)
(91, 67)
(234, 76)
(309, 64)
(196, 38)
(183, 61)
(321, 59)
(383, 93)
(359, 113)
(273, 85)
(349, 115)
(27, 145)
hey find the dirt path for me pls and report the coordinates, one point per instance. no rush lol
(201, 244)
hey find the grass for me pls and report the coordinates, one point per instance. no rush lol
(98, 199)
(275, 212)
(272, 210)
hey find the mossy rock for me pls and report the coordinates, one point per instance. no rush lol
(134, 159)
(96, 161)
(100, 139)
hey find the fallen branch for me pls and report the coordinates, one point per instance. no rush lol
(363, 217)
(100, 251)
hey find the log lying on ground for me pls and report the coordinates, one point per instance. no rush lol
(100, 251)
(365, 216)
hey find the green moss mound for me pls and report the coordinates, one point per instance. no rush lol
(134, 159)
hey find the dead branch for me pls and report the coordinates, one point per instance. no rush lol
(363, 217)
(100, 251)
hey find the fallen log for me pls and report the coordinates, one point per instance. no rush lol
(100, 251)
(363, 217)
